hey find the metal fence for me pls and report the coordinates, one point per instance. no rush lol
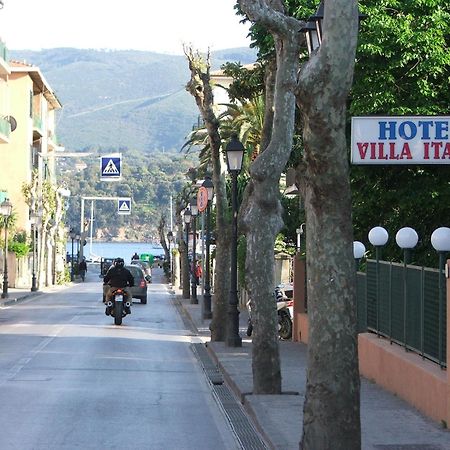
(404, 304)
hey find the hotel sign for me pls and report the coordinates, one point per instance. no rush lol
(400, 140)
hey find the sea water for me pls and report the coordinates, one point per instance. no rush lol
(123, 250)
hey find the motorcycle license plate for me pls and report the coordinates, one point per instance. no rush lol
(119, 298)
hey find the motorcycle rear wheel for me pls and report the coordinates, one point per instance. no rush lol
(284, 326)
(118, 313)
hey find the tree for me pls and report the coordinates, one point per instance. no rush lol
(199, 86)
(331, 409)
(261, 209)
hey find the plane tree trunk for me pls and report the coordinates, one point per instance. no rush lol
(331, 411)
(260, 214)
(200, 88)
(331, 408)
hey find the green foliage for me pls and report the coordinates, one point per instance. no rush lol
(19, 248)
(283, 246)
(247, 83)
(403, 68)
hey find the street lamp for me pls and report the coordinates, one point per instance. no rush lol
(187, 220)
(5, 211)
(359, 249)
(235, 153)
(313, 28)
(440, 240)
(378, 237)
(406, 239)
(170, 239)
(194, 213)
(34, 218)
(72, 235)
(207, 314)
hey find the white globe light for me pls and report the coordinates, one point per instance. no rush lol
(358, 249)
(378, 236)
(440, 239)
(406, 237)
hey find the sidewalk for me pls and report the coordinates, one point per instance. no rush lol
(387, 422)
(16, 295)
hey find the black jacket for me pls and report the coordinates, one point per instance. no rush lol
(118, 277)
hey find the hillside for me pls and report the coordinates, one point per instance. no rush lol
(122, 99)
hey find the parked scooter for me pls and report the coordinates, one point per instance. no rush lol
(119, 306)
(285, 308)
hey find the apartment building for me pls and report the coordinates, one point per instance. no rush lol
(27, 146)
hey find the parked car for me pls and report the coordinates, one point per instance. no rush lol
(139, 290)
(145, 266)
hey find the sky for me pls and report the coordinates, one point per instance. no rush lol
(152, 25)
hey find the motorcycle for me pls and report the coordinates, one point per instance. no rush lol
(119, 306)
(285, 309)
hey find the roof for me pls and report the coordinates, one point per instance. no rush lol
(39, 82)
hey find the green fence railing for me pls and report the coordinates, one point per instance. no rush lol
(3, 51)
(404, 305)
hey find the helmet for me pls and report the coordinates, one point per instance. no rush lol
(119, 262)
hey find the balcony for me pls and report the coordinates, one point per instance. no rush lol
(5, 130)
(37, 127)
(52, 140)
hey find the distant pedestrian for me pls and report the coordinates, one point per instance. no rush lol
(198, 272)
(82, 267)
(135, 256)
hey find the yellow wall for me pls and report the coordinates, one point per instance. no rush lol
(16, 156)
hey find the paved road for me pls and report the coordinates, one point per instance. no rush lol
(70, 379)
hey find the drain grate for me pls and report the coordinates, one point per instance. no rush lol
(243, 428)
(211, 370)
(409, 447)
(244, 431)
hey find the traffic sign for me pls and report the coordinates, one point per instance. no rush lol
(111, 167)
(124, 206)
(202, 198)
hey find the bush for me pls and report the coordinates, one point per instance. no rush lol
(19, 248)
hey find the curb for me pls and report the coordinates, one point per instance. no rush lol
(15, 300)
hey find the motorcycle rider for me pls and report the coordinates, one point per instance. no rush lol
(117, 276)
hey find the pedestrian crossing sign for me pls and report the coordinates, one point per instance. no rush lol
(111, 167)
(124, 206)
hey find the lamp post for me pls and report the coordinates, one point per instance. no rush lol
(5, 211)
(207, 314)
(72, 235)
(78, 239)
(378, 237)
(194, 213)
(187, 220)
(235, 153)
(406, 239)
(170, 239)
(440, 240)
(34, 217)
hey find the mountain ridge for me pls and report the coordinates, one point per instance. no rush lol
(115, 99)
